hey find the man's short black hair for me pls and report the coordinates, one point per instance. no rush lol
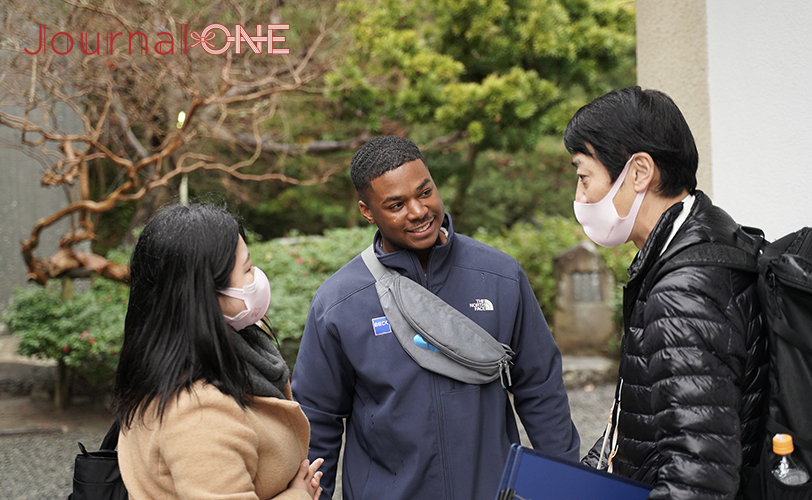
(378, 156)
(631, 120)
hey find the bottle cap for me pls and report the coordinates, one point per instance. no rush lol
(782, 444)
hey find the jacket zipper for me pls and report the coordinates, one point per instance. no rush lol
(438, 402)
(440, 425)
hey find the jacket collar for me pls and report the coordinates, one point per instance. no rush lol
(687, 235)
(406, 262)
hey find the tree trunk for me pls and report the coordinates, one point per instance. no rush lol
(464, 181)
(145, 209)
(62, 380)
(67, 289)
(62, 386)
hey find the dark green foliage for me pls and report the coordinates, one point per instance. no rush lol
(85, 332)
(305, 209)
(509, 188)
(296, 267)
(536, 244)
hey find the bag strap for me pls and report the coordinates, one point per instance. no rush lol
(462, 349)
(377, 269)
(743, 256)
(783, 329)
(110, 440)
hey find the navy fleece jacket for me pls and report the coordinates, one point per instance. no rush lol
(412, 434)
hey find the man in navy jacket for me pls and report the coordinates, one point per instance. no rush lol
(410, 433)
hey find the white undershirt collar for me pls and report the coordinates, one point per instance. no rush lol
(687, 203)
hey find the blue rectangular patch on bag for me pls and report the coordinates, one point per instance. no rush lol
(381, 325)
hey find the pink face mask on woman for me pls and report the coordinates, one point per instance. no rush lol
(601, 221)
(257, 298)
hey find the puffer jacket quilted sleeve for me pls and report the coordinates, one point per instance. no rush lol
(693, 378)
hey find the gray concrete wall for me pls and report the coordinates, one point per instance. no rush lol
(672, 56)
(23, 200)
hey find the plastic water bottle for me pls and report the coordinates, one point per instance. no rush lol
(785, 468)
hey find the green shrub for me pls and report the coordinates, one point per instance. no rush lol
(536, 246)
(296, 267)
(85, 332)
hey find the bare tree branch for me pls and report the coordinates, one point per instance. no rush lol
(125, 125)
(230, 104)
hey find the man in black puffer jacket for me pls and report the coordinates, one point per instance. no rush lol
(693, 371)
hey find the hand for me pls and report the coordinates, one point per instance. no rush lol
(307, 478)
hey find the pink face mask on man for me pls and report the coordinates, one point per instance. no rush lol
(257, 298)
(601, 221)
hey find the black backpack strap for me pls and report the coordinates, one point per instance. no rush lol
(712, 254)
(802, 242)
(110, 440)
(743, 256)
(783, 329)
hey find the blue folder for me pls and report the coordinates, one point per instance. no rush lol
(531, 475)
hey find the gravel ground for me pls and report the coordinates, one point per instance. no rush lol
(590, 407)
(40, 466)
(37, 445)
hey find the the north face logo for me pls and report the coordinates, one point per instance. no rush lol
(482, 305)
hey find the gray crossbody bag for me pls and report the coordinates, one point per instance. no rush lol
(436, 336)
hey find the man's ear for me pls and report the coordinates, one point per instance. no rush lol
(644, 172)
(366, 212)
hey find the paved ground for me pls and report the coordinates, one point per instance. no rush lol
(38, 443)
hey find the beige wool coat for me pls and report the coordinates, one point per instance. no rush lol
(208, 447)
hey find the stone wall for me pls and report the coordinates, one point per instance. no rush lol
(583, 305)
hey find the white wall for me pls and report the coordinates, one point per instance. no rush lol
(760, 86)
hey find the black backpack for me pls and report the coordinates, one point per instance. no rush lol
(95, 473)
(784, 285)
(785, 292)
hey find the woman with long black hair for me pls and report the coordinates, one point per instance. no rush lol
(202, 393)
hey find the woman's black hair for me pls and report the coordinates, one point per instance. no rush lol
(174, 331)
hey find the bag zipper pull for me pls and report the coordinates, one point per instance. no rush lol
(504, 373)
